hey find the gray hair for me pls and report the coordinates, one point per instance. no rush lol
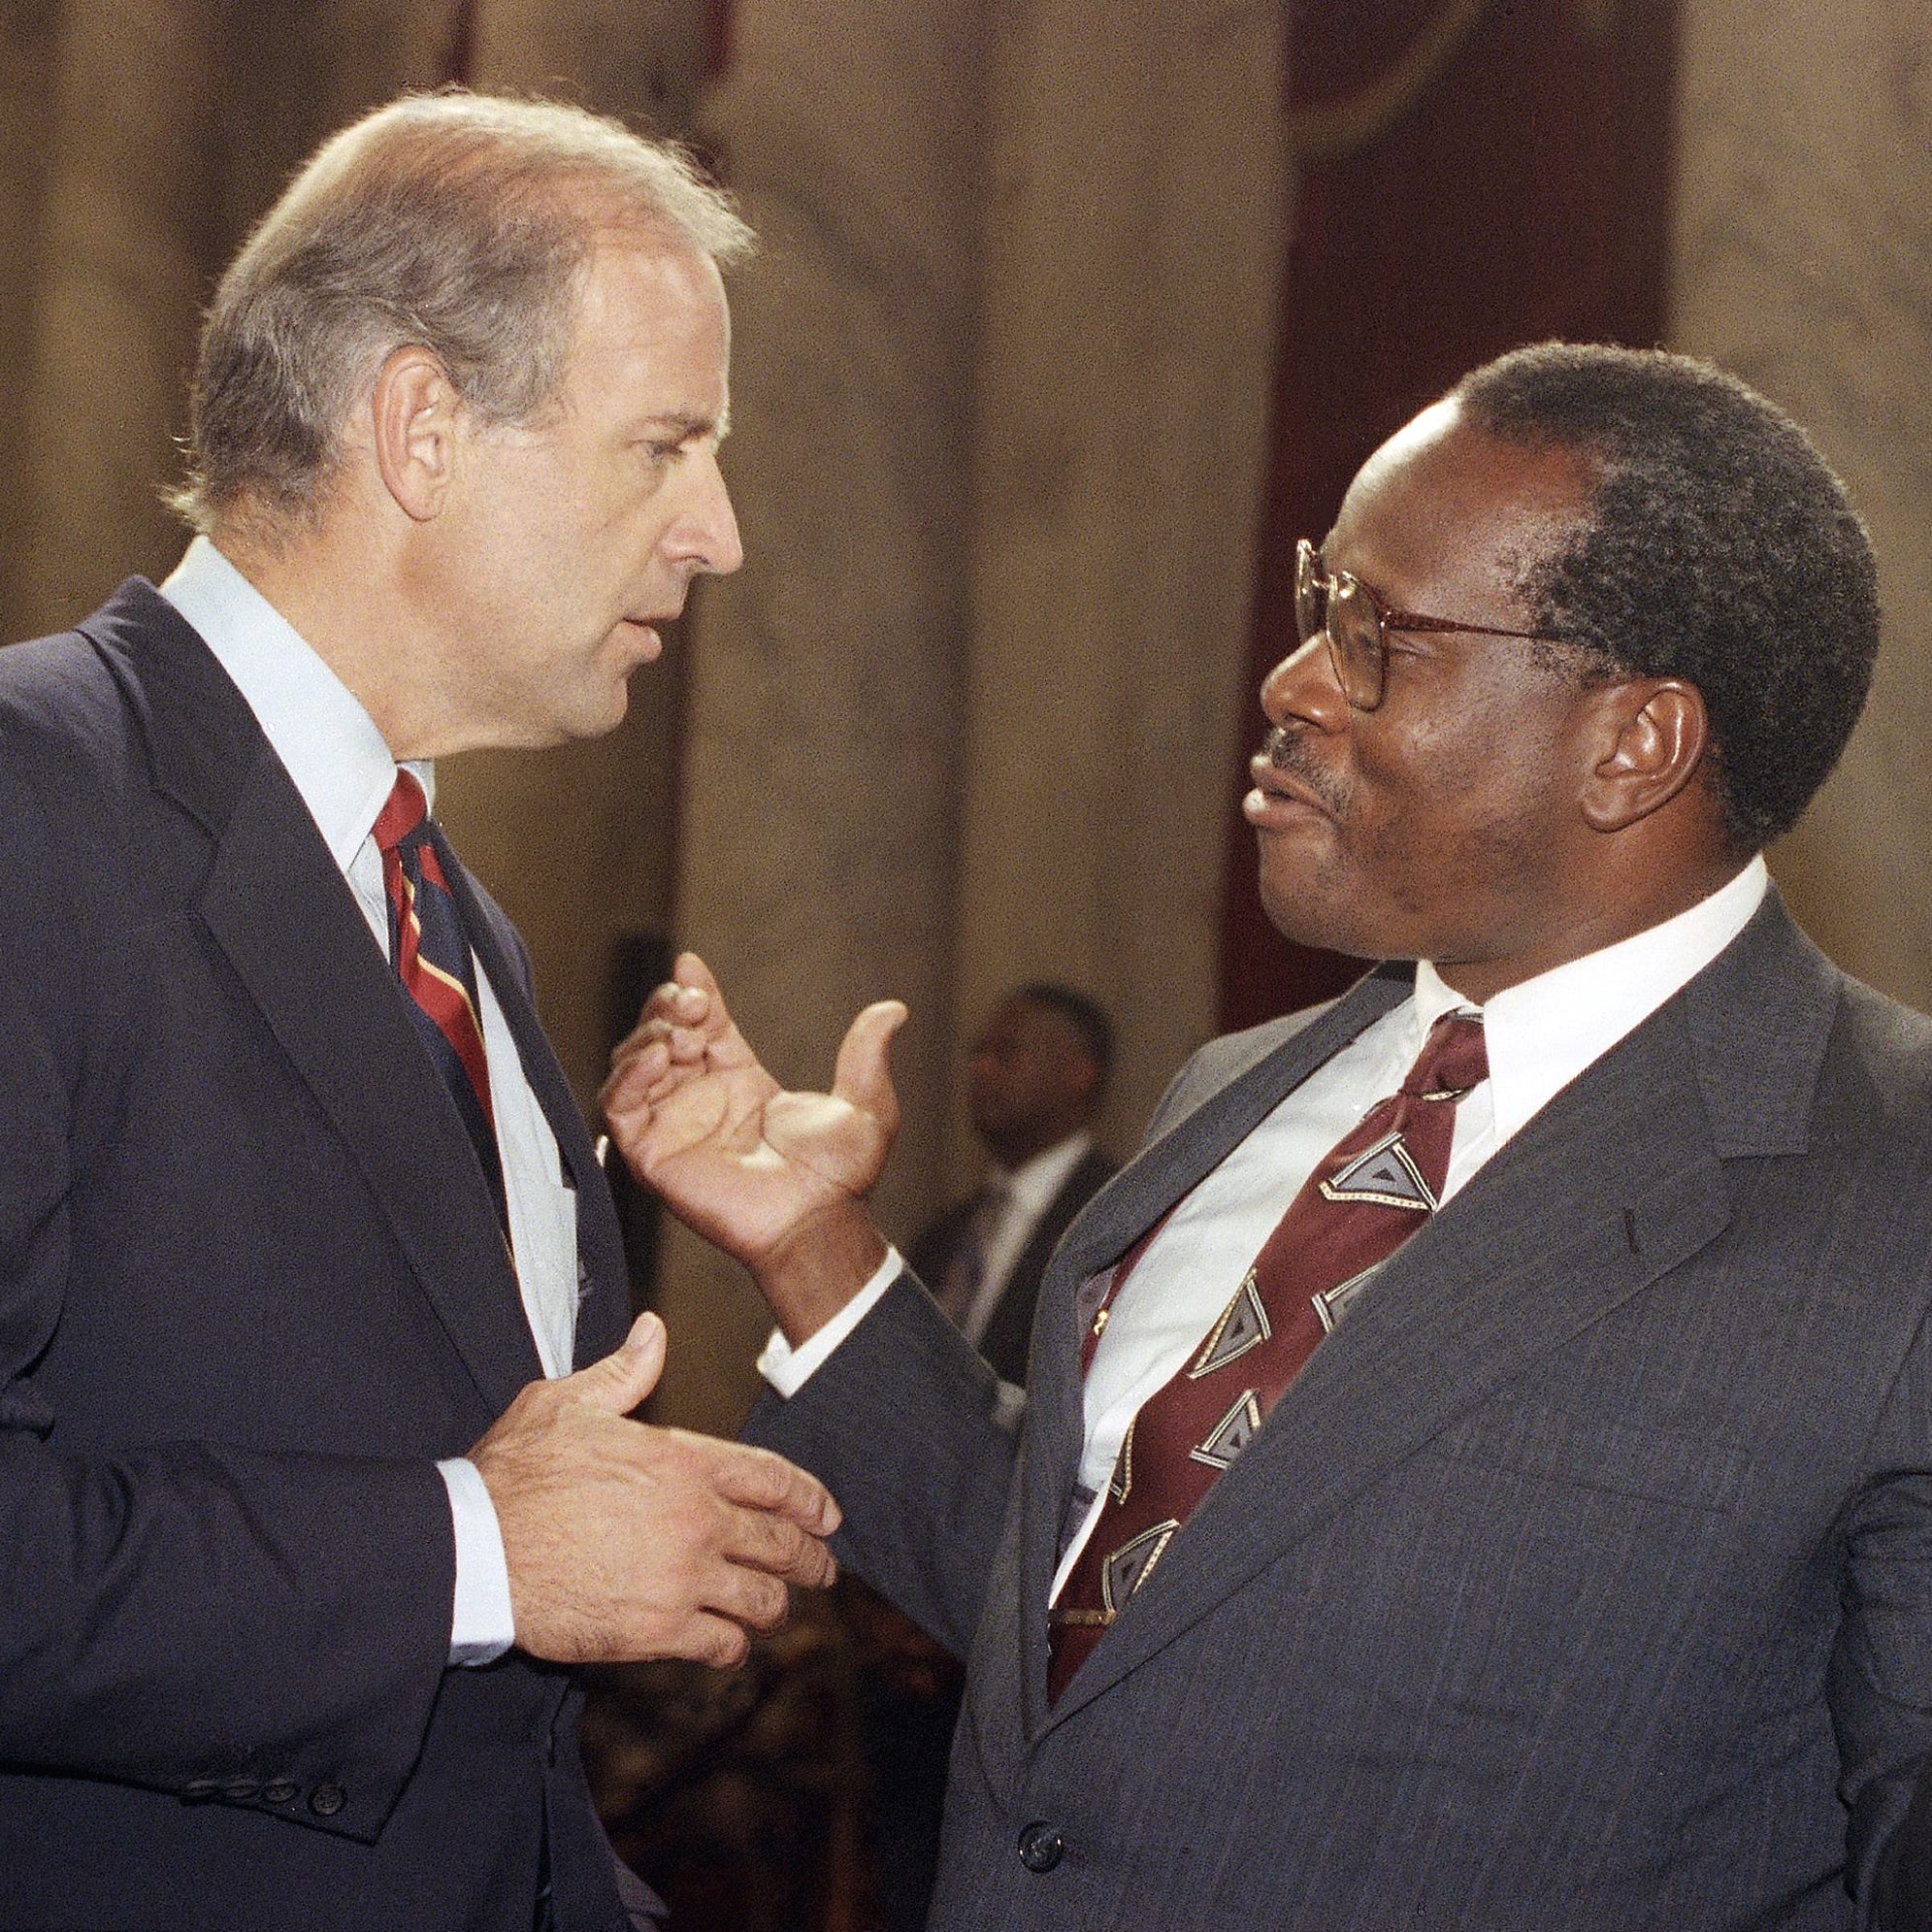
(459, 221)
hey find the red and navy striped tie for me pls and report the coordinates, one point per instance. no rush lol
(432, 960)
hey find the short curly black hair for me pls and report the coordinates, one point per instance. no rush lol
(1718, 546)
(1084, 1015)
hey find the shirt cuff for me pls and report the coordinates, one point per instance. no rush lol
(788, 1369)
(481, 1626)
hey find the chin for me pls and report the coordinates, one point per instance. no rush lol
(1322, 916)
(591, 720)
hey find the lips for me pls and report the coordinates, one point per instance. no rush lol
(1275, 783)
(647, 632)
(1286, 790)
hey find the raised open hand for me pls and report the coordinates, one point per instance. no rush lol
(777, 1179)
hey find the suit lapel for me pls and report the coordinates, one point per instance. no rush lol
(278, 911)
(1617, 1182)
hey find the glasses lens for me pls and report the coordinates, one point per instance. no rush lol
(1354, 633)
(1309, 600)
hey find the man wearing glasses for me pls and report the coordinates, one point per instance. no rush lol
(1478, 1462)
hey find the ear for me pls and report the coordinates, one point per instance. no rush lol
(1655, 735)
(414, 410)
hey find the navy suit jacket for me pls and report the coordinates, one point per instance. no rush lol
(251, 1288)
(1581, 1580)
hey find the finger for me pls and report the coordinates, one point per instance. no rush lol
(683, 1004)
(864, 1073)
(622, 1380)
(704, 1638)
(746, 1597)
(637, 1063)
(761, 1479)
(723, 1042)
(688, 969)
(757, 1540)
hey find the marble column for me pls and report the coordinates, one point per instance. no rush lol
(827, 694)
(1138, 216)
(130, 180)
(29, 59)
(1804, 262)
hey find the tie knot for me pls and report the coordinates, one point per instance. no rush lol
(1453, 1059)
(403, 814)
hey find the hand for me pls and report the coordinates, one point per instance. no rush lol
(626, 1542)
(775, 1179)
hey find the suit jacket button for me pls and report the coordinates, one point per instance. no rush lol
(200, 1788)
(278, 1790)
(238, 1790)
(1041, 1848)
(326, 1800)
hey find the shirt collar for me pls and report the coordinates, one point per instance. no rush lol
(1033, 1183)
(1541, 1033)
(331, 748)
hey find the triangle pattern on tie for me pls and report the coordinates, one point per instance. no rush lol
(1121, 1483)
(1233, 1433)
(1386, 1173)
(1365, 1197)
(1131, 1565)
(1243, 1325)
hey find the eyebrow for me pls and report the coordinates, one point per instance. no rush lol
(689, 425)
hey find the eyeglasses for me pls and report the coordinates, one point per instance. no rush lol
(1357, 622)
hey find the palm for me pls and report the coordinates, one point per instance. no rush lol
(734, 1156)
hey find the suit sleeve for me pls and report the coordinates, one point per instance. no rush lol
(1880, 1676)
(209, 1621)
(909, 1429)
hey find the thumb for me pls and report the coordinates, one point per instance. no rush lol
(864, 1073)
(623, 1379)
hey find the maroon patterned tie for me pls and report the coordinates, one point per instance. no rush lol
(1365, 1197)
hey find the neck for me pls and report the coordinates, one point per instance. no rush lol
(1014, 1150)
(1610, 917)
(351, 611)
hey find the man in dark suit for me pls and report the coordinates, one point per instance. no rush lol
(1477, 1465)
(1038, 1071)
(302, 1237)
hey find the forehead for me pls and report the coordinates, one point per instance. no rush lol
(652, 332)
(1443, 504)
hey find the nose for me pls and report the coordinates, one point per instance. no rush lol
(706, 538)
(1303, 687)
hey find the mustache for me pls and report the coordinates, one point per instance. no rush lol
(1289, 753)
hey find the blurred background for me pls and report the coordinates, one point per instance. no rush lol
(1071, 316)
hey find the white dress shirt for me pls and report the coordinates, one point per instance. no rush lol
(344, 772)
(1540, 1035)
(1028, 1192)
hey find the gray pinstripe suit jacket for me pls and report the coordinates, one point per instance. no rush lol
(1582, 1580)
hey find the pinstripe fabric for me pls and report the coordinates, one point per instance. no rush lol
(1581, 1580)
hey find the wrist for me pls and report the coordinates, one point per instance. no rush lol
(818, 1268)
